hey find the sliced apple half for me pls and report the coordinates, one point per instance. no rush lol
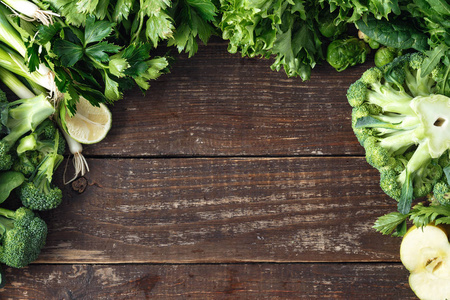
(425, 252)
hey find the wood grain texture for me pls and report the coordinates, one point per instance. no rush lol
(218, 281)
(222, 210)
(219, 104)
(225, 181)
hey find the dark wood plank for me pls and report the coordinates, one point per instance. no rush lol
(297, 222)
(222, 210)
(219, 104)
(246, 281)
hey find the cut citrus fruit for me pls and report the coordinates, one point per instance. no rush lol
(89, 125)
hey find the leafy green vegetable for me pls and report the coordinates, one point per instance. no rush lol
(421, 215)
(179, 22)
(421, 25)
(9, 180)
(392, 223)
(287, 30)
(103, 47)
(88, 64)
(395, 33)
(193, 18)
(434, 57)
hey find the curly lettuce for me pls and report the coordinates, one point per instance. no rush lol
(285, 30)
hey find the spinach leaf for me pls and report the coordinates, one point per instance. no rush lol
(394, 33)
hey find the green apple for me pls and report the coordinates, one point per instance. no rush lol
(425, 252)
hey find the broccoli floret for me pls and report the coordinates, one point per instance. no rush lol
(402, 121)
(42, 140)
(441, 192)
(22, 116)
(23, 235)
(359, 112)
(34, 147)
(389, 182)
(35, 157)
(356, 93)
(24, 165)
(42, 197)
(38, 193)
(444, 160)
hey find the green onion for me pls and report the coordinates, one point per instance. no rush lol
(29, 11)
(13, 62)
(15, 85)
(10, 36)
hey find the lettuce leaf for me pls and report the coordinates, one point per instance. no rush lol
(285, 30)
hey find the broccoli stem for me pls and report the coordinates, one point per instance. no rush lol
(399, 140)
(26, 115)
(390, 100)
(419, 160)
(7, 213)
(45, 171)
(418, 85)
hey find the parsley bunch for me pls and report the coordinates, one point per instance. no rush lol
(178, 22)
(99, 49)
(89, 62)
(422, 214)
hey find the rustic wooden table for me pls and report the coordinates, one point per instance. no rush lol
(225, 181)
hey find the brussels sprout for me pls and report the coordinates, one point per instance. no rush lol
(344, 53)
(385, 55)
(328, 26)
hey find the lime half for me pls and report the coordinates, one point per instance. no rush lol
(89, 125)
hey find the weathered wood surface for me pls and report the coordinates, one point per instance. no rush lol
(222, 210)
(217, 281)
(216, 104)
(225, 181)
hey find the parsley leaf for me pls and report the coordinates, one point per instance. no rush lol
(193, 18)
(99, 51)
(96, 31)
(395, 223)
(387, 224)
(68, 52)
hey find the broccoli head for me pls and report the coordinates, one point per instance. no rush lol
(38, 192)
(402, 119)
(23, 164)
(441, 192)
(23, 235)
(20, 117)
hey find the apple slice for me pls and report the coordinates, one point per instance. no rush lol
(425, 252)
